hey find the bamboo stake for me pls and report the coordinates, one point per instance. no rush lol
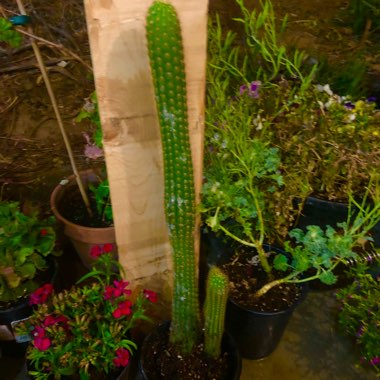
(53, 100)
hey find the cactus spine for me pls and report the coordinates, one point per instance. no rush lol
(167, 65)
(214, 310)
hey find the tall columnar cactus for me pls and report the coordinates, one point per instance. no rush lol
(167, 65)
(214, 310)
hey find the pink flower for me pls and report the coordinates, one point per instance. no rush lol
(150, 295)
(96, 251)
(108, 247)
(41, 294)
(122, 357)
(40, 341)
(52, 320)
(123, 308)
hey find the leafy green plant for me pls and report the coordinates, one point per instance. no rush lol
(328, 144)
(26, 243)
(94, 150)
(359, 315)
(8, 34)
(85, 330)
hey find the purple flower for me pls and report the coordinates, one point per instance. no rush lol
(372, 99)
(243, 89)
(375, 360)
(359, 333)
(349, 105)
(253, 89)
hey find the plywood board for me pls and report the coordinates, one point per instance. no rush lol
(131, 132)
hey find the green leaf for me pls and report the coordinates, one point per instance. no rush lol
(280, 262)
(22, 254)
(27, 270)
(66, 371)
(328, 278)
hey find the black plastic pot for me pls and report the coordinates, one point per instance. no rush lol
(21, 310)
(322, 212)
(228, 346)
(257, 334)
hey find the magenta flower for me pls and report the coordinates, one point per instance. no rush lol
(122, 357)
(150, 295)
(96, 251)
(123, 308)
(40, 341)
(117, 290)
(51, 320)
(41, 294)
(375, 360)
(108, 247)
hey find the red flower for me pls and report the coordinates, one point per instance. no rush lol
(122, 357)
(108, 247)
(40, 341)
(116, 291)
(43, 232)
(52, 320)
(123, 308)
(150, 295)
(96, 251)
(41, 294)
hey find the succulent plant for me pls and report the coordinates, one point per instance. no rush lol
(214, 310)
(167, 65)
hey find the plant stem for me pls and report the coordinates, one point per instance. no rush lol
(57, 112)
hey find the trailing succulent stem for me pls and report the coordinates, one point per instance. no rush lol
(167, 65)
(214, 310)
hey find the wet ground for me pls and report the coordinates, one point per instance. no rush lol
(33, 158)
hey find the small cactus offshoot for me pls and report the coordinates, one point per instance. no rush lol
(214, 310)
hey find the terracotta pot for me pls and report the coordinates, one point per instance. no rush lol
(228, 346)
(83, 238)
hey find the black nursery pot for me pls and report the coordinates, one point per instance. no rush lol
(19, 311)
(257, 334)
(228, 346)
(322, 212)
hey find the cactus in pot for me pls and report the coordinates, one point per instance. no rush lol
(167, 65)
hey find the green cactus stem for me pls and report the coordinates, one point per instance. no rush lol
(167, 65)
(214, 310)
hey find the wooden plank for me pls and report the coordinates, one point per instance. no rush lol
(131, 132)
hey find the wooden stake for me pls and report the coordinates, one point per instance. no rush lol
(131, 132)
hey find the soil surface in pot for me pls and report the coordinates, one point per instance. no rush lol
(247, 276)
(162, 362)
(73, 209)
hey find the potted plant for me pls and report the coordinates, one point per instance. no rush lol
(85, 332)
(329, 144)
(27, 245)
(176, 350)
(249, 191)
(87, 230)
(359, 313)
